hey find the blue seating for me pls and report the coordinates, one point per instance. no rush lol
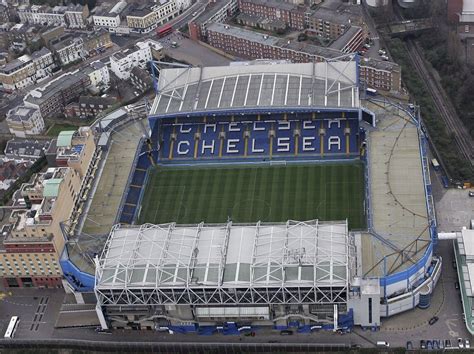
(338, 141)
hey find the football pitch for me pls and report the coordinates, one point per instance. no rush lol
(249, 194)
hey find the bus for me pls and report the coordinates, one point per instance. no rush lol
(10, 333)
(371, 91)
(164, 31)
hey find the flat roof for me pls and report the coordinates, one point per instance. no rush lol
(468, 241)
(51, 187)
(323, 84)
(306, 253)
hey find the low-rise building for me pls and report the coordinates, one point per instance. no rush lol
(122, 62)
(98, 74)
(292, 15)
(51, 98)
(27, 70)
(25, 121)
(26, 149)
(108, 16)
(378, 74)
(89, 106)
(69, 50)
(72, 16)
(216, 12)
(144, 19)
(140, 79)
(96, 42)
(10, 171)
(30, 248)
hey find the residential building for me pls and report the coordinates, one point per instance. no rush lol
(72, 16)
(51, 98)
(144, 19)
(181, 4)
(122, 62)
(98, 74)
(4, 14)
(140, 79)
(76, 16)
(10, 171)
(24, 149)
(454, 9)
(108, 16)
(69, 50)
(327, 23)
(465, 29)
(25, 121)
(89, 106)
(30, 248)
(96, 42)
(216, 11)
(252, 45)
(260, 22)
(351, 40)
(27, 70)
(292, 15)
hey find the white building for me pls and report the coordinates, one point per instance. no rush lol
(98, 73)
(25, 121)
(122, 62)
(109, 17)
(69, 50)
(27, 70)
(73, 16)
(182, 4)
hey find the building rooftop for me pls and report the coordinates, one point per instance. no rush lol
(308, 253)
(16, 64)
(26, 148)
(40, 53)
(20, 113)
(67, 42)
(44, 93)
(379, 64)
(323, 84)
(211, 10)
(342, 41)
(282, 5)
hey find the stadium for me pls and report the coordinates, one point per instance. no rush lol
(258, 194)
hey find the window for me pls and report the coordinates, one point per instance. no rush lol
(466, 28)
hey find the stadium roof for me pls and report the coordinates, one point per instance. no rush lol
(272, 255)
(324, 85)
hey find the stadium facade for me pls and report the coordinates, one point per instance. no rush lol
(303, 274)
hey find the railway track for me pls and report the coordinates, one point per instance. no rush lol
(443, 105)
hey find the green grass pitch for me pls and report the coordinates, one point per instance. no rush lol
(248, 194)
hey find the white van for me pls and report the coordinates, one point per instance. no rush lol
(382, 344)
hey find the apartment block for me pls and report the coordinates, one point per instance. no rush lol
(122, 62)
(140, 79)
(253, 45)
(27, 70)
(31, 246)
(292, 15)
(25, 121)
(216, 12)
(51, 98)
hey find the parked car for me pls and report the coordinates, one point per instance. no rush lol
(467, 344)
(456, 285)
(422, 344)
(471, 193)
(433, 320)
(286, 332)
(460, 343)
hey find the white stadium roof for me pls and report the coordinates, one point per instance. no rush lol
(329, 84)
(262, 255)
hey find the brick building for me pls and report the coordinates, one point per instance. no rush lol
(253, 45)
(51, 98)
(216, 11)
(292, 15)
(89, 106)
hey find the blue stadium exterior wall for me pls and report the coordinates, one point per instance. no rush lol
(79, 280)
